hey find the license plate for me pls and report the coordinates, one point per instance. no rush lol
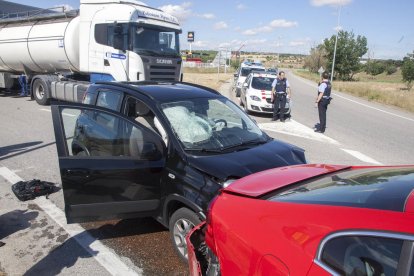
(269, 106)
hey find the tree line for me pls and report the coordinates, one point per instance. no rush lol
(349, 51)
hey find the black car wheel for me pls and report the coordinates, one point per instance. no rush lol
(181, 222)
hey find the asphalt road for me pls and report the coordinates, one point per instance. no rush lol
(38, 241)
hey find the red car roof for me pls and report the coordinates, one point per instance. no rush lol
(248, 186)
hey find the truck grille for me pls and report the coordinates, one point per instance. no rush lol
(162, 73)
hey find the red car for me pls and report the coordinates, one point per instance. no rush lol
(310, 220)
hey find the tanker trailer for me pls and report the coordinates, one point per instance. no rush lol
(61, 53)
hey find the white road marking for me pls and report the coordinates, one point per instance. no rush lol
(377, 109)
(103, 255)
(64, 113)
(294, 128)
(362, 157)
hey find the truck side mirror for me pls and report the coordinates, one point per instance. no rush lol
(119, 38)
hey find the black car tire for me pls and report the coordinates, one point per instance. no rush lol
(41, 91)
(181, 222)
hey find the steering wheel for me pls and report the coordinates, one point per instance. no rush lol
(220, 123)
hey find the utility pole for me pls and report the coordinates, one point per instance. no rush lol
(336, 40)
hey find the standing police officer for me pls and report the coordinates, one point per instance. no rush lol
(280, 93)
(322, 101)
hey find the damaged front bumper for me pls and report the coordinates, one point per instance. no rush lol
(201, 259)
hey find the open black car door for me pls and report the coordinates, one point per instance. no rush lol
(111, 167)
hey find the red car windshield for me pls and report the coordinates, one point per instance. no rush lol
(375, 188)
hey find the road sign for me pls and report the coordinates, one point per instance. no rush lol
(321, 70)
(190, 37)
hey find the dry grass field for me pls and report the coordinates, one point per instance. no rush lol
(206, 77)
(386, 89)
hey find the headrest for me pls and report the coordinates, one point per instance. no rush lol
(141, 109)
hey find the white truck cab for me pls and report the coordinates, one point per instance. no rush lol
(105, 40)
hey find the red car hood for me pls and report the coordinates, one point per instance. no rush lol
(258, 184)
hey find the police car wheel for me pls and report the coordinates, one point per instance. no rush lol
(246, 109)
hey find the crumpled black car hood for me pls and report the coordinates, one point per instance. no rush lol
(241, 163)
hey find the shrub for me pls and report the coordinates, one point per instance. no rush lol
(391, 69)
(407, 70)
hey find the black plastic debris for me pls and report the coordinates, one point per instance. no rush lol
(27, 190)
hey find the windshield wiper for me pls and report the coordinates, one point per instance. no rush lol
(146, 52)
(245, 143)
(204, 150)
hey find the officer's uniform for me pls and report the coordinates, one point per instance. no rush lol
(280, 98)
(325, 88)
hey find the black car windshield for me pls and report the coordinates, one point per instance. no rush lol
(262, 83)
(211, 124)
(376, 188)
(155, 41)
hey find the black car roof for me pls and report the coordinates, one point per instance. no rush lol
(165, 92)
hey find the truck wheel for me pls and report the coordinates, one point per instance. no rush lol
(181, 222)
(41, 92)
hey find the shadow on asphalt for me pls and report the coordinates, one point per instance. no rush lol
(67, 254)
(20, 149)
(15, 221)
(17, 147)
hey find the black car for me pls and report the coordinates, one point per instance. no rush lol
(160, 150)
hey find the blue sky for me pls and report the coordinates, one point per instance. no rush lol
(286, 26)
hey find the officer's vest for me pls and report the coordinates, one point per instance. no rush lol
(327, 92)
(281, 85)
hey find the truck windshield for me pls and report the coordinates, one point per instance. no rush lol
(154, 41)
(212, 125)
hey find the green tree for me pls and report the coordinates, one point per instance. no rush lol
(407, 71)
(348, 52)
(316, 59)
(374, 67)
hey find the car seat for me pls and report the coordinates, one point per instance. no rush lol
(359, 261)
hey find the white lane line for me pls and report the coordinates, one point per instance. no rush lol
(295, 128)
(64, 113)
(362, 157)
(357, 102)
(377, 109)
(102, 254)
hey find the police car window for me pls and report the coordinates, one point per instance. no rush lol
(108, 99)
(362, 255)
(262, 83)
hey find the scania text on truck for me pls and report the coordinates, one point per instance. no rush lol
(61, 53)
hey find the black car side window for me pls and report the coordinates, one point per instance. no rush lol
(362, 255)
(93, 133)
(108, 99)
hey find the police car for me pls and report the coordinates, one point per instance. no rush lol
(245, 69)
(256, 92)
